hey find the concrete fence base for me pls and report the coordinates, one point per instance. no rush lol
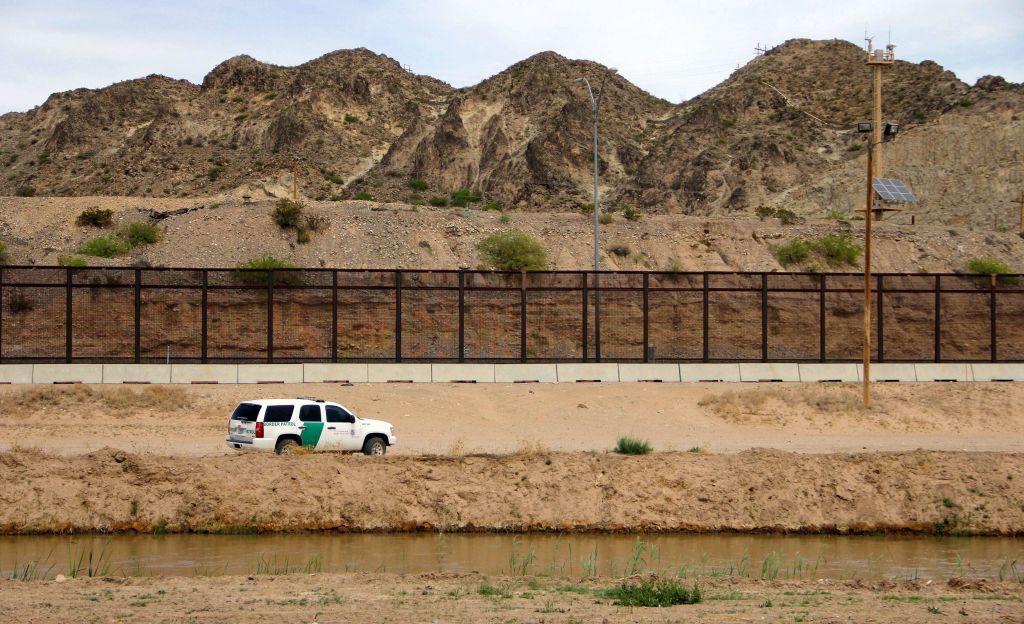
(500, 373)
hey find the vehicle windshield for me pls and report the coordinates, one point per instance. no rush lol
(246, 411)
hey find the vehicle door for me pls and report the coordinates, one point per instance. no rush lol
(341, 430)
(311, 424)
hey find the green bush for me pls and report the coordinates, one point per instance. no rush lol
(24, 191)
(96, 217)
(620, 250)
(587, 208)
(513, 251)
(605, 218)
(492, 205)
(85, 155)
(315, 223)
(350, 119)
(987, 266)
(302, 237)
(418, 184)
(287, 213)
(785, 215)
(71, 261)
(654, 593)
(631, 214)
(213, 173)
(438, 201)
(632, 446)
(334, 178)
(363, 196)
(3, 252)
(265, 263)
(257, 276)
(140, 233)
(838, 249)
(793, 252)
(104, 247)
(464, 197)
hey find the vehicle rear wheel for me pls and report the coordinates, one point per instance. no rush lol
(286, 446)
(374, 446)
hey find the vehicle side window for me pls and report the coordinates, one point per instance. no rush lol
(310, 413)
(278, 413)
(337, 415)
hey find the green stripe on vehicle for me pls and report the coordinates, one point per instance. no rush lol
(311, 434)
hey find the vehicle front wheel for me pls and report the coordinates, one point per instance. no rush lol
(286, 446)
(374, 446)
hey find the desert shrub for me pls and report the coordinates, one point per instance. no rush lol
(315, 223)
(631, 214)
(438, 201)
(363, 196)
(492, 205)
(85, 155)
(302, 237)
(654, 593)
(71, 261)
(96, 217)
(24, 191)
(785, 215)
(418, 184)
(140, 233)
(464, 197)
(265, 263)
(987, 266)
(632, 446)
(838, 249)
(793, 252)
(251, 271)
(3, 252)
(854, 147)
(513, 251)
(966, 102)
(605, 218)
(334, 178)
(620, 250)
(287, 213)
(587, 208)
(836, 215)
(350, 119)
(104, 247)
(336, 197)
(504, 218)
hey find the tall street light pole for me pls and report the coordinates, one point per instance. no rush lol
(595, 103)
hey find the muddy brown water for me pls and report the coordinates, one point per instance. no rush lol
(755, 556)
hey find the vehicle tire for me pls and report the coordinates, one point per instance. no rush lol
(286, 446)
(374, 446)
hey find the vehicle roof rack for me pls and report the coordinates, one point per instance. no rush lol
(314, 399)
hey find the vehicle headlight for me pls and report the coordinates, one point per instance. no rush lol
(392, 430)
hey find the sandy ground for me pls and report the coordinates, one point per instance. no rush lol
(375, 598)
(753, 491)
(501, 418)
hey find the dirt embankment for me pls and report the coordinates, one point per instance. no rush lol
(373, 598)
(754, 491)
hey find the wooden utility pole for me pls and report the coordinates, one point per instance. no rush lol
(295, 179)
(1022, 211)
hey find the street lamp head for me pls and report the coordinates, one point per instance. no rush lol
(891, 129)
(864, 126)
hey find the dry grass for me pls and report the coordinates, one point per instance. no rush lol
(531, 448)
(114, 400)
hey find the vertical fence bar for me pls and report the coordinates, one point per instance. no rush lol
(462, 315)
(270, 317)
(880, 313)
(138, 316)
(938, 318)
(647, 319)
(597, 316)
(67, 315)
(705, 318)
(764, 317)
(821, 318)
(586, 314)
(203, 340)
(334, 316)
(398, 316)
(522, 317)
(1, 314)
(991, 319)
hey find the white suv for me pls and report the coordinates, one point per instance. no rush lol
(281, 425)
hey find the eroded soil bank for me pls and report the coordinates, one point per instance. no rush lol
(378, 597)
(754, 491)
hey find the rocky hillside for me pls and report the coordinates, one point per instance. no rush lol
(778, 132)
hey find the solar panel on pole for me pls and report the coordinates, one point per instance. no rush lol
(892, 190)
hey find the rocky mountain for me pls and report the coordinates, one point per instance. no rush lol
(778, 132)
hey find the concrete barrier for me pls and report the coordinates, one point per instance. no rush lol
(769, 371)
(829, 372)
(67, 373)
(889, 372)
(649, 372)
(382, 373)
(204, 373)
(943, 372)
(709, 372)
(136, 373)
(476, 373)
(269, 373)
(16, 373)
(587, 372)
(997, 372)
(512, 373)
(323, 373)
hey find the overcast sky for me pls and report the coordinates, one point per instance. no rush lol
(675, 49)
